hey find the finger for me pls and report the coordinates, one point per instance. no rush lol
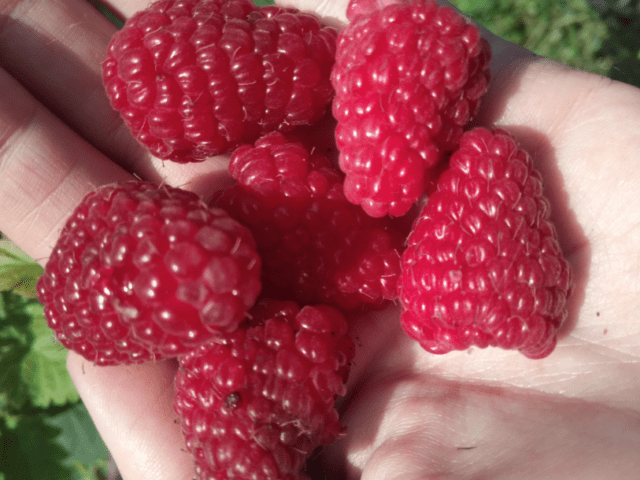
(45, 170)
(55, 49)
(132, 408)
(126, 8)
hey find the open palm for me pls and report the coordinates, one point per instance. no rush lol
(478, 414)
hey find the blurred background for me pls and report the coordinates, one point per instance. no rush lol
(45, 431)
(599, 36)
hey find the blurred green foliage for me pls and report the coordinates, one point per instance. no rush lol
(601, 36)
(45, 430)
(623, 43)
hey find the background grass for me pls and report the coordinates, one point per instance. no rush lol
(599, 36)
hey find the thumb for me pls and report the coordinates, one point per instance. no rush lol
(406, 457)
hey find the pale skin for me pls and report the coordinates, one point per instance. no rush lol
(475, 415)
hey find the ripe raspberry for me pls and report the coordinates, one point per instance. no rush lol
(143, 272)
(256, 403)
(195, 78)
(408, 79)
(315, 245)
(483, 266)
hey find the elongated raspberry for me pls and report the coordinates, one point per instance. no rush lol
(316, 246)
(408, 79)
(195, 78)
(483, 265)
(144, 272)
(257, 402)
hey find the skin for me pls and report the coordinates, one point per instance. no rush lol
(478, 414)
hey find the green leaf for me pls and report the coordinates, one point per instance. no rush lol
(32, 363)
(476, 7)
(15, 342)
(13, 391)
(569, 31)
(18, 272)
(44, 368)
(29, 452)
(53, 444)
(98, 471)
(78, 436)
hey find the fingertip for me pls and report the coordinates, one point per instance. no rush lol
(132, 408)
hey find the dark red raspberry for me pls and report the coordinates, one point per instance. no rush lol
(144, 272)
(483, 265)
(196, 78)
(257, 402)
(316, 246)
(408, 79)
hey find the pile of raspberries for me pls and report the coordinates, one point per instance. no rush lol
(252, 289)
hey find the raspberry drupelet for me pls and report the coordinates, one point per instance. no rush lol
(145, 272)
(196, 78)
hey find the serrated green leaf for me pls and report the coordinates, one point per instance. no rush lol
(78, 436)
(29, 452)
(44, 368)
(18, 271)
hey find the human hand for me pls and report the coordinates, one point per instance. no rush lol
(477, 414)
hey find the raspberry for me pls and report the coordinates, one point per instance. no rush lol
(257, 402)
(196, 78)
(315, 245)
(142, 272)
(483, 265)
(408, 79)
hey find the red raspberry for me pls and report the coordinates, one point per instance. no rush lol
(257, 402)
(315, 245)
(144, 272)
(408, 79)
(483, 266)
(195, 78)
